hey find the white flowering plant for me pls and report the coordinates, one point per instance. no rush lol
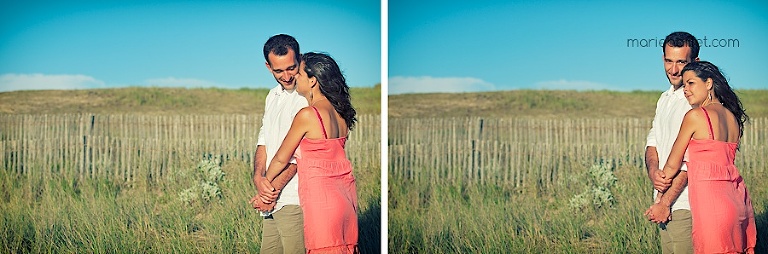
(597, 193)
(207, 176)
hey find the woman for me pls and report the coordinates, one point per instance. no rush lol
(327, 187)
(723, 218)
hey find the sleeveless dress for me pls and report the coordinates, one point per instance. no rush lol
(721, 210)
(328, 195)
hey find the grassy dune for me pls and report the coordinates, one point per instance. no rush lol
(546, 104)
(166, 101)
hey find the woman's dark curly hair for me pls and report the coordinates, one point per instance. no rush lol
(332, 83)
(706, 70)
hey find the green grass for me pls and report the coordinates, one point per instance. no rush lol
(445, 217)
(68, 215)
(164, 101)
(366, 100)
(546, 104)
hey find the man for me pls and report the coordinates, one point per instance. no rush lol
(671, 210)
(283, 225)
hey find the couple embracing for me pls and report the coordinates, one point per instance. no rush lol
(306, 190)
(701, 204)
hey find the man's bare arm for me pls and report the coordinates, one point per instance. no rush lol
(661, 211)
(652, 168)
(674, 191)
(651, 161)
(260, 169)
(263, 186)
(259, 164)
(282, 179)
(278, 183)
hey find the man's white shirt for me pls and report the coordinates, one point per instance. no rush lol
(670, 111)
(280, 109)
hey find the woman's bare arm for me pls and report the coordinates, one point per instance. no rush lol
(298, 129)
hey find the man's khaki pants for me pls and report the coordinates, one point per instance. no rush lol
(283, 231)
(676, 234)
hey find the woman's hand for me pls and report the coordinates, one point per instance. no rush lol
(267, 193)
(661, 183)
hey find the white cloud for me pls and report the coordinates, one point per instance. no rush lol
(180, 82)
(37, 81)
(563, 84)
(427, 84)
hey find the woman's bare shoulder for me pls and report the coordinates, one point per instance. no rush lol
(305, 115)
(694, 115)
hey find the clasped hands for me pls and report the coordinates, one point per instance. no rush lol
(266, 195)
(659, 212)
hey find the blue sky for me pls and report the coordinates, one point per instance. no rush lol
(103, 44)
(575, 45)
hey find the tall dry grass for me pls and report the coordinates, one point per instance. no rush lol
(70, 215)
(428, 216)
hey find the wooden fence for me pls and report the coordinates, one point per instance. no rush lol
(524, 152)
(125, 147)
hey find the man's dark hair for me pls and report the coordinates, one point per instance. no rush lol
(682, 39)
(279, 45)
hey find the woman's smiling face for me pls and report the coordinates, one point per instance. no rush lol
(696, 90)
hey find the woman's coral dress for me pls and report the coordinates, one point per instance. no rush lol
(328, 195)
(723, 217)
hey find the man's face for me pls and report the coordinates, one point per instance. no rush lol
(284, 68)
(675, 58)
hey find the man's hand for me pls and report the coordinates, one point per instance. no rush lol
(269, 207)
(658, 213)
(267, 193)
(660, 183)
(259, 205)
(256, 202)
